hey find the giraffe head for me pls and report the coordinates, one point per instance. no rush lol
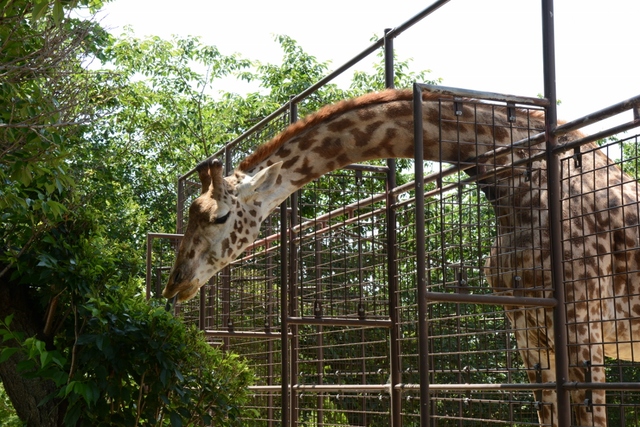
(223, 221)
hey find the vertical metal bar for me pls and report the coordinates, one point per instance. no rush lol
(149, 255)
(284, 315)
(293, 290)
(225, 280)
(554, 192)
(201, 313)
(228, 167)
(268, 329)
(225, 275)
(293, 305)
(392, 256)
(389, 72)
(180, 206)
(289, 407)
(421, 276)
(319, 331)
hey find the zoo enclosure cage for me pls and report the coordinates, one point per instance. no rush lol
(326, 305)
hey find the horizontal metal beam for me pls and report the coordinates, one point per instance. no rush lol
(491, 299)
(484, 96)
(371, 323)
(243, 334)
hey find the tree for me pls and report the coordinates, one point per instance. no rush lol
(78, 344)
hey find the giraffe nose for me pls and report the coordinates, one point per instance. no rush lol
(176, 276)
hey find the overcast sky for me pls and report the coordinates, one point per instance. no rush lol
(489, 45)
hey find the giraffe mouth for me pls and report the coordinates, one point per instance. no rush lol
(188, 291)
(179, 288)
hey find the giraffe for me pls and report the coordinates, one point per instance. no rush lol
(600, 222)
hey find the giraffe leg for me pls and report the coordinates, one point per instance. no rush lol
(589, 405)
(538, 359)
(541, 369)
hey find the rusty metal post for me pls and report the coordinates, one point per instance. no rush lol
(225, 285)
(421, 273)
(268, 330)
(148, 273)
(203, 306)
(293, 291)
(180, 206)
(392, 256)
(554, 193)
(319, 332)
(284, 315)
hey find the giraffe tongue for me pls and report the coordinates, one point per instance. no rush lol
(171, 302)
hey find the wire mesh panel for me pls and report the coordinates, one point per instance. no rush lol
(342, 409)
(161, 250)
(246, 295)
(341, 276)
(492, 408)
(490, 298)
(264, 409)
(602, 273)
(341, 246)
(482, 241)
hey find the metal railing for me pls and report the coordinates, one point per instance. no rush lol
(326, 305)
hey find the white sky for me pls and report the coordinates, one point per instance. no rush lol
(489, 45)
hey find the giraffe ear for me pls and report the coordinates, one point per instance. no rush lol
(262, 181)
(217, 180)
(204, 175)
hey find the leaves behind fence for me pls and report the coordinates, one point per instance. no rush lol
(135, 365)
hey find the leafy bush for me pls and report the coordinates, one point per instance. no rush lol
(134, 364)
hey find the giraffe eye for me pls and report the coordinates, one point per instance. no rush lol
(222, 219)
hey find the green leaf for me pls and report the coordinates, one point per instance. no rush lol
(176, 419)
(8, 319)
(58, 12)
(56, 208)
(69, 388)
(45, 358)
(22, 174)
(6, 353)
(39, 9)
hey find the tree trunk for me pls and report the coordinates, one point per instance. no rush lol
(26, 394)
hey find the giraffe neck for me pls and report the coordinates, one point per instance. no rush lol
(380, 126)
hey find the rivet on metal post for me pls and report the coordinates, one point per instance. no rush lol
(527, 173)
(361, 310)
(457, 107)
(463, 284)
(511, 112)
(538, 393)
(467, 373)
(577, 157)
(588, 401)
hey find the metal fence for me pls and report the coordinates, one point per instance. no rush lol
(367, 303)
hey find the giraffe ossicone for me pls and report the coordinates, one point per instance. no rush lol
(601, 218)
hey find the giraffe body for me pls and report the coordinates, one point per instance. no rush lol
(600, 221)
